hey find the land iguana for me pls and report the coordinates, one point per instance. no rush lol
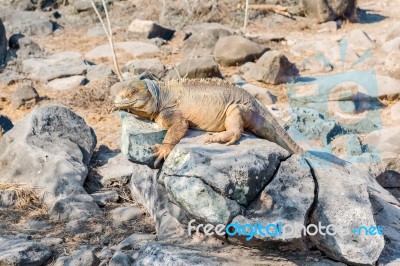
(208, 104)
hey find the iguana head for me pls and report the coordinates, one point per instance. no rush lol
(136, 96)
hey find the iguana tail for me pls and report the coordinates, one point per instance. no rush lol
(267, 127)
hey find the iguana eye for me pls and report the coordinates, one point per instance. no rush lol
(127, 93)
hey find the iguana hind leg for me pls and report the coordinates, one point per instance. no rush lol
(234, 127)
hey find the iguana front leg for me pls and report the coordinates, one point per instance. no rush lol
(177, 128)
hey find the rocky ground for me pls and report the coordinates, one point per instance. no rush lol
(68, 196)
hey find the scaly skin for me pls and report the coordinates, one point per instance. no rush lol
(210, 105)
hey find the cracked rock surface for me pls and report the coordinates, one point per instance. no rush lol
(265, 185)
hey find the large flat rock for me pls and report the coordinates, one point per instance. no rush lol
(135, 49)
(25, 22)
(153, 196)
(200, 200)
(388, 217)
(343, 201)
(287, 200)
(238, 172)
(19, 251)
(50, 149)
(60, 65)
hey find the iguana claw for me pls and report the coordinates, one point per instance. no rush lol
(161, 151)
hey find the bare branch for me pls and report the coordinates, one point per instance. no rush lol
(246, 15)
(109, 35)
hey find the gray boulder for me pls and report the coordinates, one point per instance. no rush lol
(23, 47)
(393, 32)
(200, 200)
(113, 168)
(37, 225)
(24, 94)
(68, 83)
(120, 259)
(349, 147)
(385, 140)
(203, 67)
(287, 199)
(99, 72)
(25, 22)
(50, 148)
(254, 162)
(203, 42)
(79, 257)
(124, 214)
(207, 26)
(313, 125)
(9, 77)
(314, 66)
(52, 241)
(86, 5)
(19, 251)
(143, 186)
(392, 45)
(263, 95)
(237, 50)
(341, 198)
(327, 10)
(104, 197)
(60, 65)
(150, 29)
(164, 254)
(134, 242)
(96, 31)
(152, 66)
(395, 112)
(389, 179)
(388, 88)
(392, 64)
(3, 43)
(138, 136)
(25, 5)
(308, 93)
(388, 217)
(154, 197)
(384, 149)
(135, 49)
(360, 41)
(272, 67)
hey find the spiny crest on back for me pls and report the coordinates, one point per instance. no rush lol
(198, 82)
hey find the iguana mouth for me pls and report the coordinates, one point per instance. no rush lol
(124, 104)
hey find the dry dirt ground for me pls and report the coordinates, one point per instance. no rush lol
(92, 102)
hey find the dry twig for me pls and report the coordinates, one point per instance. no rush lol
(246, 16)
(109, 35)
